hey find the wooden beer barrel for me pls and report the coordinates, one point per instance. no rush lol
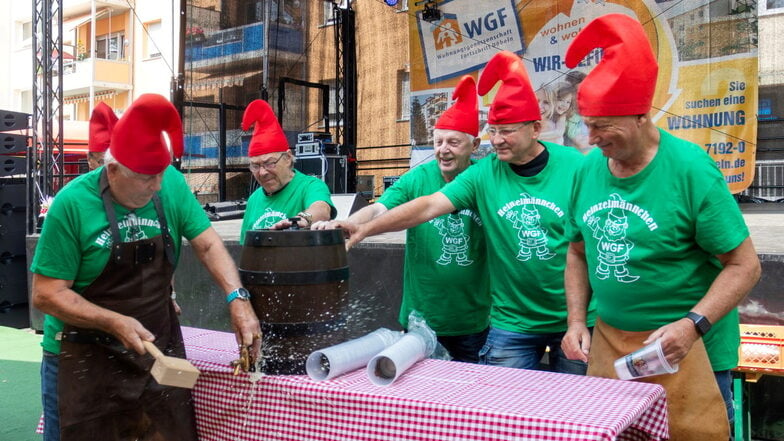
(298, 281)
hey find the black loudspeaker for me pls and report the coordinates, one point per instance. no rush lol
(13, 253)
(347, 204)
(13, 209)
(389, 181)
(13, 279)
(10, 143)
(330, 169)
(11, 166)
(13, 120)
(12, 218)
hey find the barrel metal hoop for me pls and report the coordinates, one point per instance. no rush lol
(293, 277)
(302, 329)
(288, 238)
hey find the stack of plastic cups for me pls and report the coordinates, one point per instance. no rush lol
(389, 365)
(335, 360)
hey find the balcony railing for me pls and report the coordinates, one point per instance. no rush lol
(78, 74)
(240, 41)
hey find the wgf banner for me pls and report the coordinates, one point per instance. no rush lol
(707, 54)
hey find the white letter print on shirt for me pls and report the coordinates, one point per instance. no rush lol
(531, 234)
(267, 219)
(613, 246)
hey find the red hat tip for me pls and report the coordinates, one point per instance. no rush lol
(624, 81)
(102, 122)
(463, 115)
(137, 139)
(515, 100)
(268, 136)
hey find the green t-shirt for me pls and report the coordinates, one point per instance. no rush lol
(301, 192)
(75, 242)
(444, 270)
(651, 240)
(524, 220)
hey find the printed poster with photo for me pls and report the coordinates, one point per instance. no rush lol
(707, 53)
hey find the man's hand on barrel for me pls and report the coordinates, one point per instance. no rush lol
(351, 230)
(323, 225)
(284, 224)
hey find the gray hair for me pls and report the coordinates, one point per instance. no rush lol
(109, 159)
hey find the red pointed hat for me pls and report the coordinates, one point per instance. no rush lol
(515, 101)
(624, 81)
(463, 116)
(137, 139)
(102, 122)
(268, 136)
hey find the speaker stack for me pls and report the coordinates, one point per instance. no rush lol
(13, 208)
(318, 156)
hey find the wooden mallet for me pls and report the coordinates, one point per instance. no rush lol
(171, 371)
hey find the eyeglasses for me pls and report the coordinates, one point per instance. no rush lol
(509, 131)
(268, 165)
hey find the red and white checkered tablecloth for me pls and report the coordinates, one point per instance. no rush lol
(434, 400)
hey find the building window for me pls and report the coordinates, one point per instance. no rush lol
(254, 12)
(110, 47)
(329, 17)
(27, 30)
(153, 35)
(26, 105)
(333, 103)
(404, 94)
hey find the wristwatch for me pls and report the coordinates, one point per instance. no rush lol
(307, 216)
(239, 293)
(701, 322)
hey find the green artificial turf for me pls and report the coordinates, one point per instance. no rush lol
(20, 384)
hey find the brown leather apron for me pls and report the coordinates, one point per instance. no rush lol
(695, 408)
(106, 391)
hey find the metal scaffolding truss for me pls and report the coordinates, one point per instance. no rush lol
(346, 81)
(45, 157)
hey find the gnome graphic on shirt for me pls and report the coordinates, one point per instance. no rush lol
(454, 240)
(133, 231)
(613, 246)
(530, 233)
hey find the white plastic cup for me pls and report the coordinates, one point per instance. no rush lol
(389, 365)
(644, 362)
(328, 363)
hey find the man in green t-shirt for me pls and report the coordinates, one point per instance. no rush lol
(102, 273)
(657, 240)
(444, 274)
(521, 193)
(285, 192)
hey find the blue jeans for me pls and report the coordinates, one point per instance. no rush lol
(724, 380)
(524, 351)
(50, 364)
(464, 347)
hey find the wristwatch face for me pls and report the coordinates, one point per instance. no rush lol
(243, 293)
(239, 293)
(702, 324)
